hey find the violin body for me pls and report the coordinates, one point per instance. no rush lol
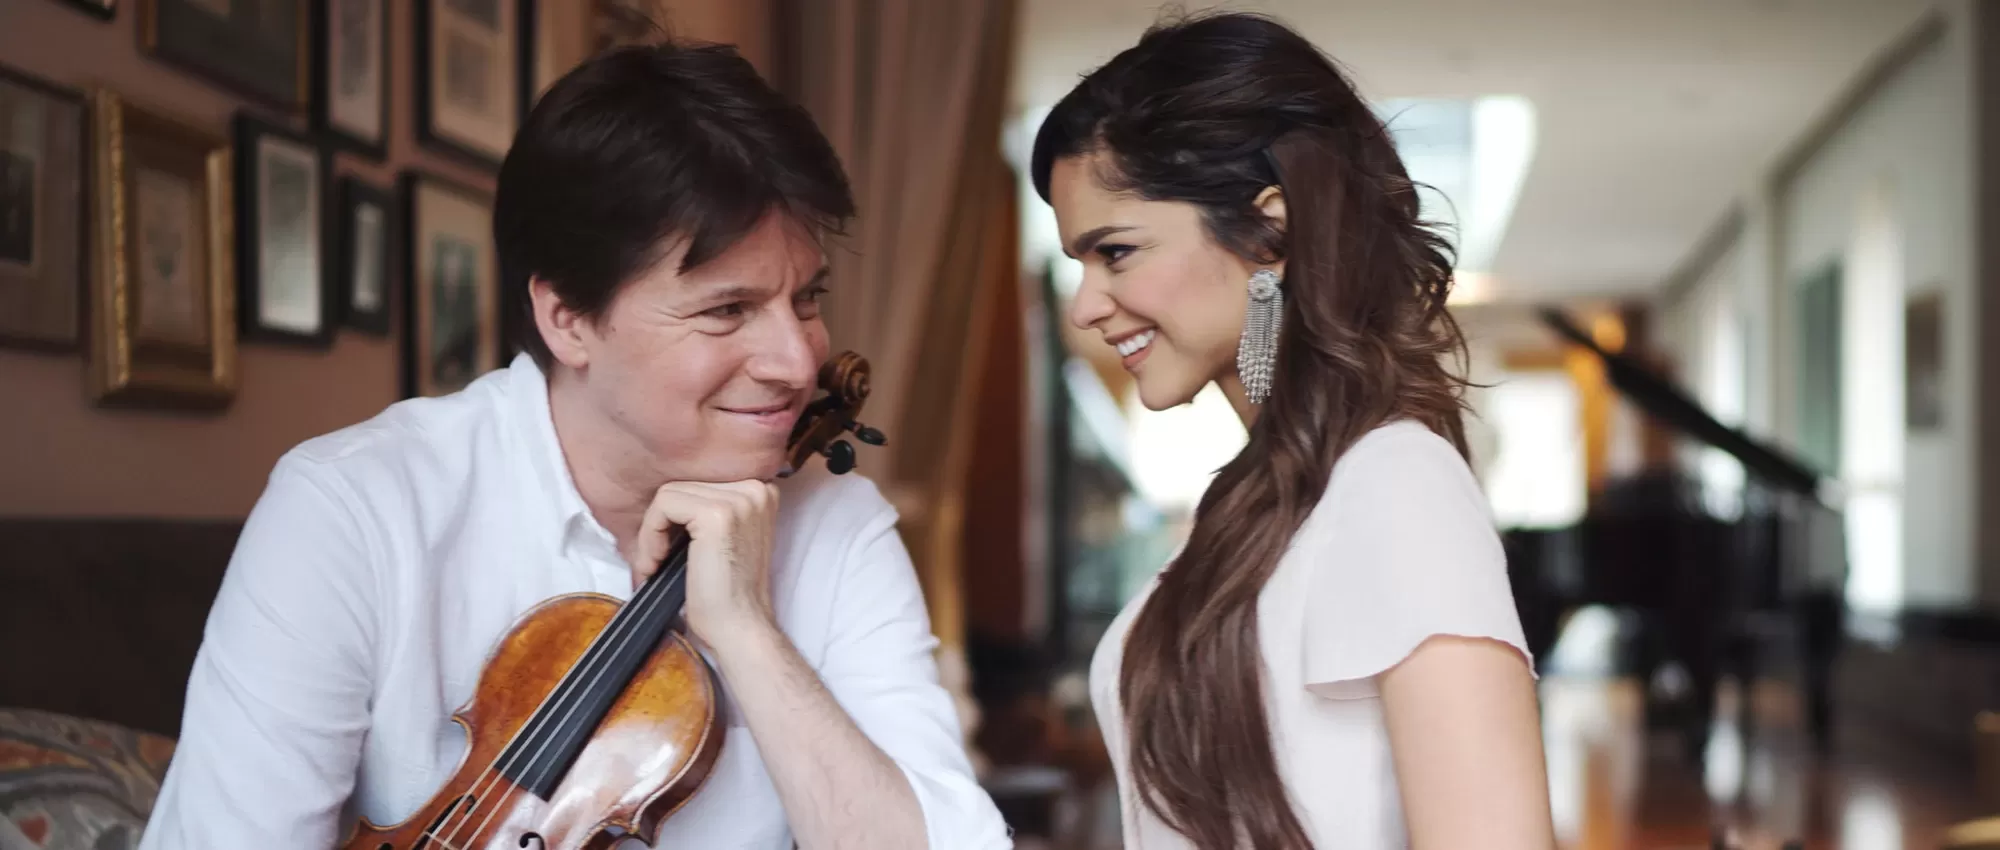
(654, 748)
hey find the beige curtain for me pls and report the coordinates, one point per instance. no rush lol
(912, 94)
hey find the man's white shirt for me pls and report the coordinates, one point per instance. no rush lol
(384, 560)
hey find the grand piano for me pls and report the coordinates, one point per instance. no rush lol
(1755, 592)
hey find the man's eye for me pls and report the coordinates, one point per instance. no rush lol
(726, 311)
(807, 301)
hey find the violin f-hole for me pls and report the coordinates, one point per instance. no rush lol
(465, 803)
(540, 842)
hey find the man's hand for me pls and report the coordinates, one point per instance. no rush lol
(839, 788)
(729, 562)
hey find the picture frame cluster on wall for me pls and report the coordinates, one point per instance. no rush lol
(155, 245)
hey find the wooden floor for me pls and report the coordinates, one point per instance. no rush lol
(1616, 786)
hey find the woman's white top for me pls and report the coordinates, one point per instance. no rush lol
(1401, 547)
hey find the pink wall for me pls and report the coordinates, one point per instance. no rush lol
(60, 456)
(744, 23)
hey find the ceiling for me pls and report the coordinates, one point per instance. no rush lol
(1651, 117)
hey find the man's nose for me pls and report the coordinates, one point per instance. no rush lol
(786, 354)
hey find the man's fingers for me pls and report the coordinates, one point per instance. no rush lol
(737, 498)
(753, 494)
(669, 508)
(701, 508)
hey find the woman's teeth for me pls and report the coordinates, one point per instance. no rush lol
(1136, 343)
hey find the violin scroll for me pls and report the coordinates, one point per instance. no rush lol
(844, 379)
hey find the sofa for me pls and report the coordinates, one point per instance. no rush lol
(70, 783)
(99, 623)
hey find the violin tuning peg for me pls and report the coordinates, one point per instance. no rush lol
(868, 435)
(840, 457)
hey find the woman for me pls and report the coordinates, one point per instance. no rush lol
(1333, 660)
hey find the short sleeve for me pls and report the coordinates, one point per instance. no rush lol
(1407, 551)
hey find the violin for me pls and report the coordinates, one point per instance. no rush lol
(595, 720)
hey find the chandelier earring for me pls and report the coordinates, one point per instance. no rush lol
(1257, 350)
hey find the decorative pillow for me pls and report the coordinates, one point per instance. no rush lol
(69, 783)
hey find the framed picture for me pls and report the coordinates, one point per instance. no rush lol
(41, 213)
(283, 291)
(470, 72)
(364, 224)
(562, 40)
(163, 278)
(451, 326)
(1923, 361)
(105, 9)
(256, 47)
(351, 74)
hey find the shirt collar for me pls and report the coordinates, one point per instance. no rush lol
(555, 488)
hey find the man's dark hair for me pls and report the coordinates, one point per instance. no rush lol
(638, 150)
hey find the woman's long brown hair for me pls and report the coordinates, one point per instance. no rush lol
(1211, 110)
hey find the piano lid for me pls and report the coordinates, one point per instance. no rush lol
(1659, 398)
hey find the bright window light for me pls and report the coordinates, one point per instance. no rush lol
(1536, 479)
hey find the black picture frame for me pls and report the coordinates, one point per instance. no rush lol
(326, 120)
(268, 61)
(103, 11)
(509, 90)
(431, 206)
(251, 132)
(355, 196)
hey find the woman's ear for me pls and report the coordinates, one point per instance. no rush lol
(1271, 202)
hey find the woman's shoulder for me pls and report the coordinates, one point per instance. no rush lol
(1401, 547)
(1395, 442)
(1401, 466)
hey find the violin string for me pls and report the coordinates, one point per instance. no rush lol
(619, 643)
(569, 688)
(572, 686)
(575, 686)
(571, 733)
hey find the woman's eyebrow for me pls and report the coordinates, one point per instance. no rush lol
(1090, 238)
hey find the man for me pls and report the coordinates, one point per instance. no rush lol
(658, 220)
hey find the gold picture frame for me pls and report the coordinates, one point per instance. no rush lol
(163, 280)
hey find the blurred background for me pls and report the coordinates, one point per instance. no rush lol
(1722, 266)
